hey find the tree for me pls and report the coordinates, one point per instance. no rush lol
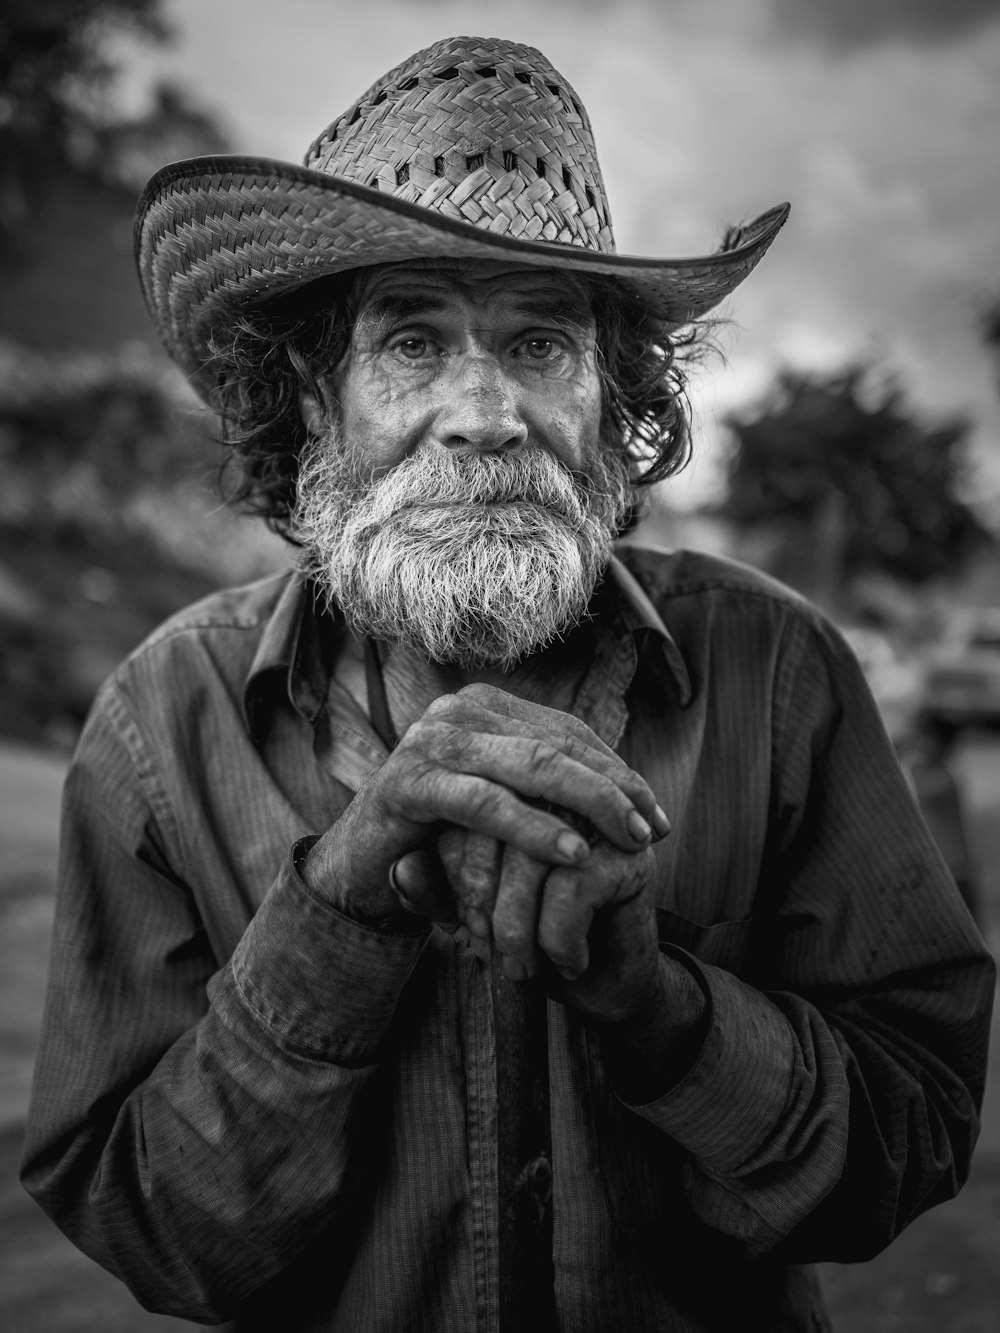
(57, 76)
(172, 128)
(847, 482)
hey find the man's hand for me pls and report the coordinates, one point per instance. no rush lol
(597, 931)
(593, 939)
(485, 761)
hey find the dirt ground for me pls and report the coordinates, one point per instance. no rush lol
(941, 1276)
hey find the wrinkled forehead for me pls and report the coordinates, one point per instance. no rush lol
(479, 285)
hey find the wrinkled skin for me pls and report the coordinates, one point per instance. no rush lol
(481, 761)
(478, 812)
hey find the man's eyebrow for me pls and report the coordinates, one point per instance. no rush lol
(395, 308)
(564, 311)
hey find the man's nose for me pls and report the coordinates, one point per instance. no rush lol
(483, 411)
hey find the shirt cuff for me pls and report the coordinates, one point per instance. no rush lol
(647, 1070)
(323, 985)
(736, 1089)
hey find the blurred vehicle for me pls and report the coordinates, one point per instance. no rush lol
(963, 677)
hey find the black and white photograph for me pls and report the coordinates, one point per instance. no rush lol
(499, 666)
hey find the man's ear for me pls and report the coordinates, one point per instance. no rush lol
(313, 413)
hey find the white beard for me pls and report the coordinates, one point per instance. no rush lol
(474, 560)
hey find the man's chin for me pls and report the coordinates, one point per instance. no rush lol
(457, 624)
(476, 520)
(493, 657)
(467, 584)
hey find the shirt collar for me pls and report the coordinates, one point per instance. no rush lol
(295, 652)
(292, 659)
(639, 617)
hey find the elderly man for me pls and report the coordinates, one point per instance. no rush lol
(477, 928)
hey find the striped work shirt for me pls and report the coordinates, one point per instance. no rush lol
(260, 1112)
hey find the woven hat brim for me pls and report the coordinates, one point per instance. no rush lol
(213, 234)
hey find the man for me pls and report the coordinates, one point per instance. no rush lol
(476, 928)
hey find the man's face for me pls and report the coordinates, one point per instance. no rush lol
(471, 358)
(458, 501)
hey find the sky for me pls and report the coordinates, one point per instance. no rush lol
(878, 120)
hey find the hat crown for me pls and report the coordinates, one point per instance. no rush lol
(483, 131)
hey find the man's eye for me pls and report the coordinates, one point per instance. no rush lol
(414, 349)
(539, 349)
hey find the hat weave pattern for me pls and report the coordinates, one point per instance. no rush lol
(486, 132)
(474, 149)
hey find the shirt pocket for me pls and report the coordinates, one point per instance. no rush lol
(720, 943)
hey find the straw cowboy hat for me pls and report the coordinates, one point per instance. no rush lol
(475, 148)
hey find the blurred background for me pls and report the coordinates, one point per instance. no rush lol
(847, 432)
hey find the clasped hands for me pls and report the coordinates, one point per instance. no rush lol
(475, 820)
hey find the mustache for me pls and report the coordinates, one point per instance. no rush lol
(473, 559)
(433, 479)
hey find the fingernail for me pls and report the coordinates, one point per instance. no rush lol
(569, 973)
(660, 822)
(572, 847)
(638, 827)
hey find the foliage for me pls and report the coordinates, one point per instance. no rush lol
(172, 128)
(81, 435)
(108, 448)
(58, 68)
(109, 521)
(851, 481)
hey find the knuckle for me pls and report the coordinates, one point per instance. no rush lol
(410, 768)
(619, 876)
(607, 862)
(540, 758)
(512, 933)
(481, 852)
(583, 736)
(444, 706)
(482, 803)
(478, 692)
(432, 787)
(478, 883)
(436, 736)
(419, 734)
(576, 750)
(636, 874)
